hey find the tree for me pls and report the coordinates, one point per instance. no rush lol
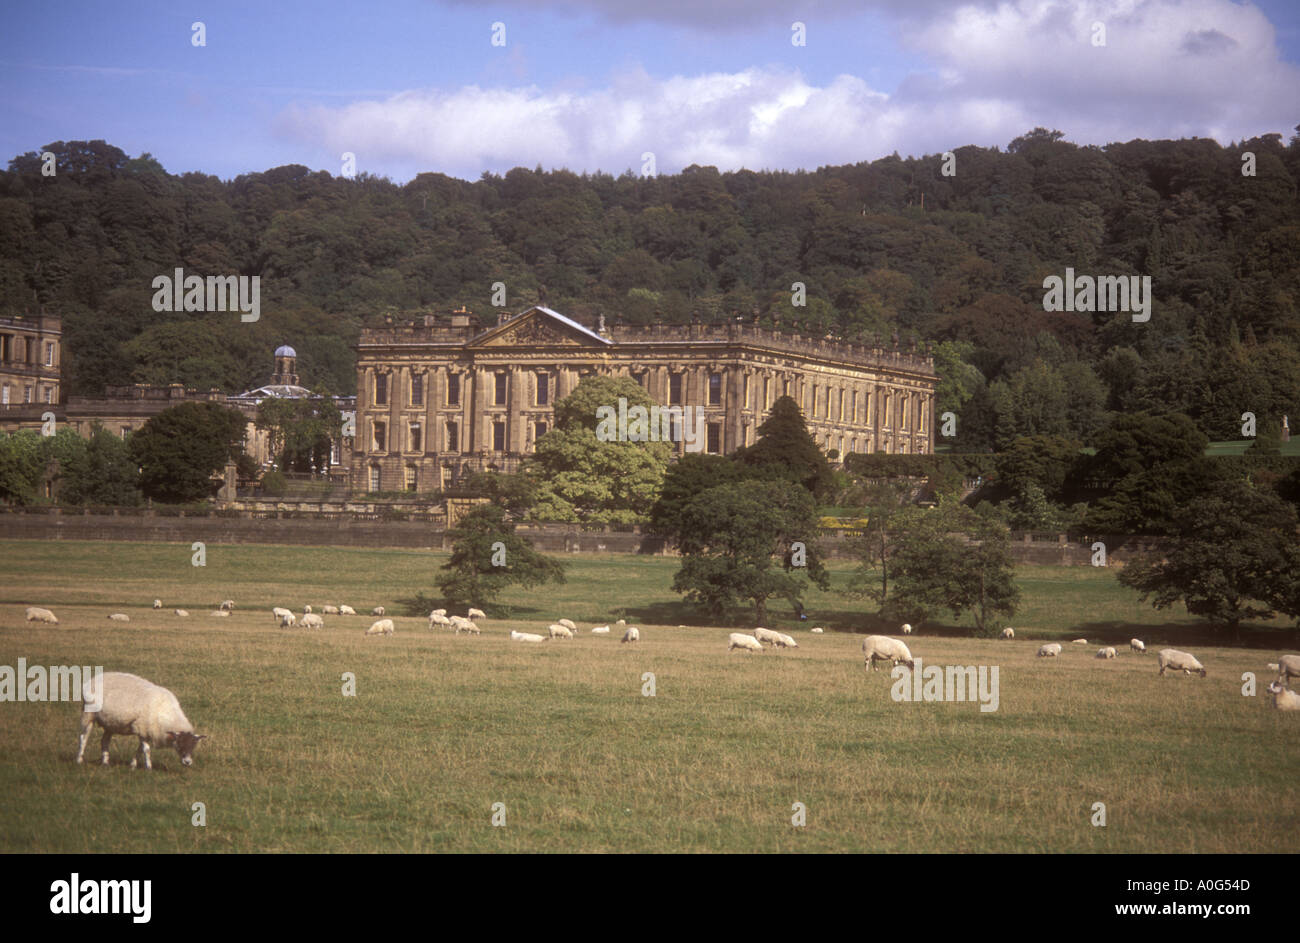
(1233, 556)
(487, 555)
(302, 430)
(886, 513)
(690, 476)
(20, 467)
(103, 473)
(785, 449)
(738, 541)
(179, 450)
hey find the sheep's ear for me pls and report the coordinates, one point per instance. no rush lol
(171, 736)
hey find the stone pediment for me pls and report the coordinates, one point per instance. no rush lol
(539, 327)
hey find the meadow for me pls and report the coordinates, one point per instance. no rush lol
(443, 727)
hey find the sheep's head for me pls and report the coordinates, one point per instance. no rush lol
(185, 742)
(911, 665)
(1202, 672)
(1274, 688)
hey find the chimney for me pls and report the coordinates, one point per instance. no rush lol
(460, 317)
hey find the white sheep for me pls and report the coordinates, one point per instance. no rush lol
(768, 636)
(157, 603)
(119, 617)
(1107, 652)
(786, 641)
(480, 614)
(329, 610)
(312, 620)
(289, 619)
(568, 624)
(743, 641)
(469, 628)
(1138, 645)
(600, 630)
(436, 618)
(37, 614)
(381, 627)
(1050, 650)
(816, 631)
(227, 604)
(220, 613)
(559, 631)
(1008, 632)
(130, 705)
(1288, 667)
(1079, 641)
(525, 637)
(633, 634)
(457, 621)
(438, 612)
(349, 611)
(183, 613)
(1284, 699)
(621, 623)
(906, 628)
(306, 610)
(1179, 661)
(883, 648)
(279, 612)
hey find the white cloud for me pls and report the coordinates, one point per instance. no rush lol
(1169, 68)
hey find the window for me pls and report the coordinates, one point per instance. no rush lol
(767, 392)
(378, 438)
(417, 389)
(381, 389)
(410, 478)
(374, 477)
(714, 438)
(785, 387)
(5, 395)
(447, 477)
(539, 430)
(499, 436)
(415, 441)
(839, 409)
(853, 407)
(866, 408)
(715, 389)
(453, 389)
(543, 389)
(453, 437)
(903, 422)
(48, 392)
(27, 394)
(336, 453)
(126, 431)
(675, 389)
(500, 399)
(49, 354)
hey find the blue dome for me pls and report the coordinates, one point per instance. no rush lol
(285, 351)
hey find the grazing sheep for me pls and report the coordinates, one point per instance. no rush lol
(469, 628)
(786, 641)
(600, 630)
(349, 611)
(1284, 699)
(1008, 632)
(633, 634)
(568, 624)
(768, 636)
(182, 613)
(817, 631)
(120, 617)
(306, 610)
(1050, 650)
(311, 620)
(280, 612)
(220, 613)
(437, 619)
(883, 648)
(621, 623)
(130, 705)
(1138, 645)
(746, 642)
(480, 614)
(329, 610)
(377, 611)
(1107, 652)
(1080, 641)
(37, 614)
(458, 621)
(1179, 661)
(1288, 667)
(381, 627)
(906, 628)
(525, 637)
(438, 612)
(289, 619)
(560, 631)
(157, 603)
(227, 604)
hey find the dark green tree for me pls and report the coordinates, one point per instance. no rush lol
(786, 450)
(179, 450)
(487, 556)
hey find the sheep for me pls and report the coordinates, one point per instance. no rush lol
(1284, 699)
(568, 624)
(227, 604)
(469, 628)
(480, 614)
(157, 603)
(1173, 658)
(130, 705)
(381, 627)
(37, 614)
(220, 613)
(1050, 650)
(746, 642)
(329, 610)
(377, 611)
(1008, 632)
(559, 631)
(600, 630)
(119, 617)
(1138, 645)
(312, 620)
(436, 619)
(525, 637)
(816, 631)
(786, 641)
(1080, 641)
(306, 610)
(768, 636)
(1107, 652)
(883, 648)
(906, 628)
(633, 634)
(184, 614)
(621, 623)
(1288, 667)
(349, 611)
(289, 619)
(457, 621)
(438, 612)
(279, 612)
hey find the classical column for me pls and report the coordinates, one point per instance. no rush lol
(517, 400)
(733, 397)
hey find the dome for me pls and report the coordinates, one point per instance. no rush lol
(285, 351)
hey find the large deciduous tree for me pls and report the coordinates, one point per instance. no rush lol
(487, 556)
(179, 450)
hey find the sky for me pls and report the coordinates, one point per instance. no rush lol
(461, 87)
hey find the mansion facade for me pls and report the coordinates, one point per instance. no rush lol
(443, 397)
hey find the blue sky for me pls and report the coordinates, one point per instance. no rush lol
(594, 84)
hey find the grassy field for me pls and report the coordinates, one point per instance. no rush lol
(442, 726)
